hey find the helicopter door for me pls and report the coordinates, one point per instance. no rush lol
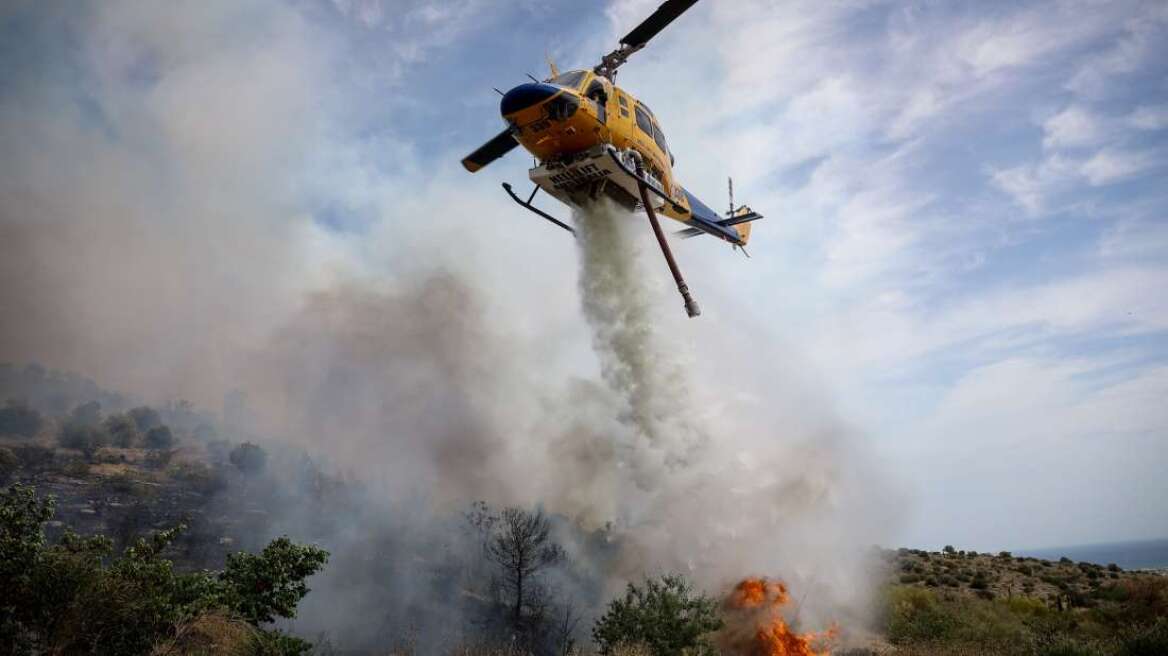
(598, 94)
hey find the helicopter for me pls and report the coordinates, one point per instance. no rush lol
(591, 138)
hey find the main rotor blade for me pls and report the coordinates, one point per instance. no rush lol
(498, 146)
(665, 14)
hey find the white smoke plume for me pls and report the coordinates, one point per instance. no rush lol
(157, 234)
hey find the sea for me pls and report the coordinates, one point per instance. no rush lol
(1142, 554)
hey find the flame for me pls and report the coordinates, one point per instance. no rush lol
(755, 625)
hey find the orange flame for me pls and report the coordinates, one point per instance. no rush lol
(755, 625)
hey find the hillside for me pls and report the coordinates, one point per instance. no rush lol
(127, 471)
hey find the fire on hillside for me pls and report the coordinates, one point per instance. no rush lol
(756, 625)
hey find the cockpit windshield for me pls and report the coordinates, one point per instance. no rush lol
(571, 79)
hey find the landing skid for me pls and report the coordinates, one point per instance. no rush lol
(595, 189)
(535, 210)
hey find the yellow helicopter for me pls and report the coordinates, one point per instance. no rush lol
(591, 138)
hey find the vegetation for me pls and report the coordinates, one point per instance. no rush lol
(248, 458)
(159, 437)
(125, 472)
(123, 431)
(664, 614)
(74, 598)
(17, 418)
(1020, 606)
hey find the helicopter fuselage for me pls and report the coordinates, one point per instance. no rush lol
(563, 119)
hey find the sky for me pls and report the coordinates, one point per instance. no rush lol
(964, 254)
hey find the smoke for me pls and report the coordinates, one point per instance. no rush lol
(169, 226)
(705, 492)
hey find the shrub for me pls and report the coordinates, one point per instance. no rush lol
(9, 463)
(145, 417)
(86, 414)
(249, 458)
(1068, 647)
(909, 578)
(66, 599)
(35, 456)
(17, 418)
(122, 430)
(1146, 641)
(915, 615)
(85, 438)
(199, 476)
(159, 458)
(75, 469)
(664, 614)
(159, 437)
(121, 484)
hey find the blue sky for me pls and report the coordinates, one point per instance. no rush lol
(965, 254)
(966, 233)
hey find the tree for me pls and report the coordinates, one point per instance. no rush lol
(269, 585)
(664, 614)
(123, 431)
(520, 545)
(9, 463)
(249, 458)
(159, 437)
(86, 414)
(65, 599)
(83, 437)
(146, 417)
(17, 418)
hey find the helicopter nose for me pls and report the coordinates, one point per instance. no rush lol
(524, 96)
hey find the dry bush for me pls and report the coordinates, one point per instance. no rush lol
(207, 634)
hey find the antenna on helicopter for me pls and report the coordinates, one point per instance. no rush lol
(730, 184)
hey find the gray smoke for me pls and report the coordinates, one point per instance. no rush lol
(158, 233)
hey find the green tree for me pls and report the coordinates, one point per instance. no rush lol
(65, 599)
(159, 437)
(83, 437)
(86, 414)
(9, 463)
(261, 587)
(249, 458)
(146, 417)
(17, 418)
(665, 614)
(123, 431)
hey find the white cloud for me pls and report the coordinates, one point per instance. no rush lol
(1072, 127)
(1112, 165)
(1144, 34)
(1030, 185)
(1149, 117)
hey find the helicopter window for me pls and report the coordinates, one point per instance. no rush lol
(643, 121)
(571, 79)
(622, 100)
(596, 91)
(659, 137)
